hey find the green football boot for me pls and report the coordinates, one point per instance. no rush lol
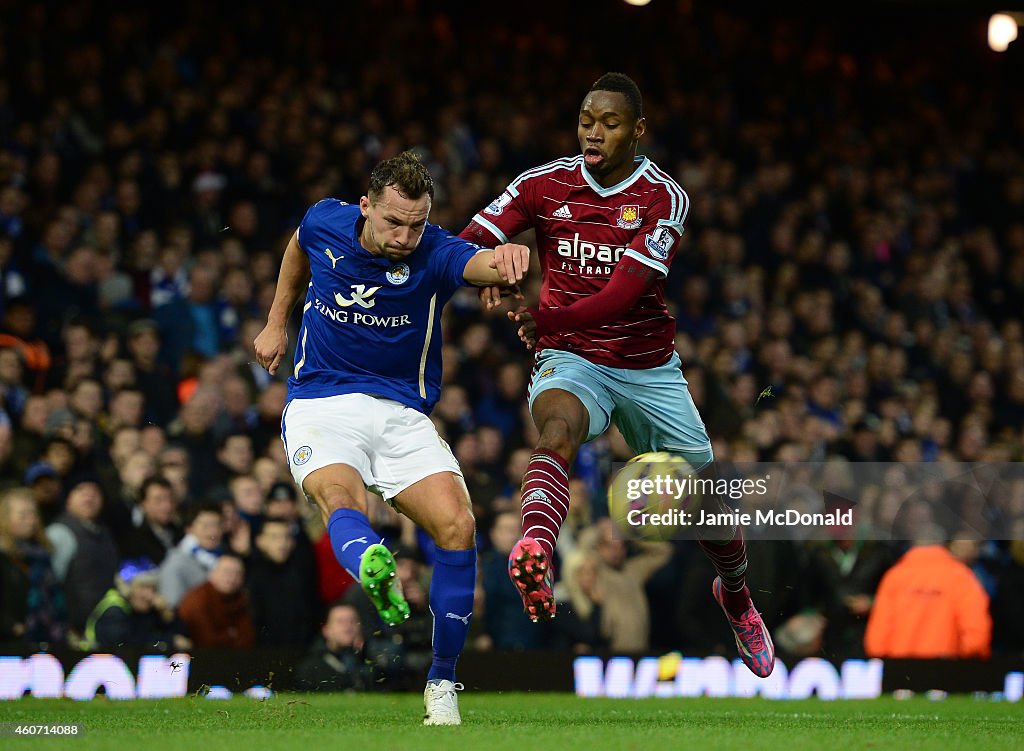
(380, 582)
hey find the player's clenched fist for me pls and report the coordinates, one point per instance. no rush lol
(270, 346)
(528, 328)
(511, 261)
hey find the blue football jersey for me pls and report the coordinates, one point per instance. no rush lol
(370, 325)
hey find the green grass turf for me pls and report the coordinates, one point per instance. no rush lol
(556, 722)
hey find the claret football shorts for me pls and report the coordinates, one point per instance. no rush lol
(652, 407)
(391, 446)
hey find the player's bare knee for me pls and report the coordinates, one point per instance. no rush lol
(561, 436)
(335, 501)
(457, 532)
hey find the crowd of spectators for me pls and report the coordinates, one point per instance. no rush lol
(855, 243)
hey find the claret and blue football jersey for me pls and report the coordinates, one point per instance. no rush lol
(371, 325)
(583, 231)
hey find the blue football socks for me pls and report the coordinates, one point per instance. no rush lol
(451, 602)
(351, 534)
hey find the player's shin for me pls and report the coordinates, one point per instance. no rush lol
(351, 534)
(723, 545)
(545, 498)
(451, 602)
(729, 558)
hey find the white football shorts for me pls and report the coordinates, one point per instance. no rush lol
(391, 446)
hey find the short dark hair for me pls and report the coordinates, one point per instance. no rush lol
(339, 604)
(205, 507)
(275, 520)
(158, 481)
(623, 84)
(223, 442)
(405, 173)
(282, 491)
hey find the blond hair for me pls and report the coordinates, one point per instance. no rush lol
(8, 544)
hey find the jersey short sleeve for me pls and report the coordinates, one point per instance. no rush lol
(317, 217)
(657, 239)
(504, 217)
(449, 256)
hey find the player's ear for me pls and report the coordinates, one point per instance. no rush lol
(364, 205)
(640, 128)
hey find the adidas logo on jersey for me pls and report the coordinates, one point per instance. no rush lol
(563, 212)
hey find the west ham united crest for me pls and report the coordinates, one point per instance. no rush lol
(629, 217)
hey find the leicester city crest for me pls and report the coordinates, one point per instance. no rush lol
(398, 274)
(302, 455)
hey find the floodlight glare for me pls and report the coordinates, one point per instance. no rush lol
(1002, 29)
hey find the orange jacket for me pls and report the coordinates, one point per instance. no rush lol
(217, 620)
(929, 605)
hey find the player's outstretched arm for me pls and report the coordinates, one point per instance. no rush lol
(505, 266)
(272, 343)
(508, 259)
(630, 280)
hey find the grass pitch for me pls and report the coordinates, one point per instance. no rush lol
(494, 722)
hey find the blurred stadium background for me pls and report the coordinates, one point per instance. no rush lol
(856, 242)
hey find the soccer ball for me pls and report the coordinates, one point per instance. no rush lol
(648, 497)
